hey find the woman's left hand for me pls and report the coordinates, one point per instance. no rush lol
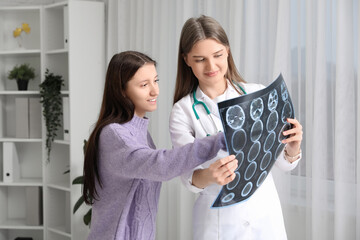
(295, 137)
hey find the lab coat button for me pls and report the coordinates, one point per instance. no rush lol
(246, 223)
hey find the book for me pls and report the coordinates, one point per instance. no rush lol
(66, 118)
(34, 206)
(34, 118)
(11, 167)
(22, 117)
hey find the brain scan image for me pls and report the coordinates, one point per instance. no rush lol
(250, 171)
(284, 92)
(279, 148)
(285, 127)
(231, 185)
(269, 141)
(286, 112)
(235, 117)
(265, 161)
(256, 108)
(240, 157)
(256, 130)
(228, 198)
(253, 126)
(273, 100)
(246, 190)
(272, 121)
(261, 178)
(238, 140)
(254, 151)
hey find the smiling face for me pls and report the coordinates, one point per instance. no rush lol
(208, 61)
(143, 89)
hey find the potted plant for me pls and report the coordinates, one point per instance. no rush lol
(50, 93)
(81, 201)
(22, 74)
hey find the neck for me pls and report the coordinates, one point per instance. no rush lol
(214, 90)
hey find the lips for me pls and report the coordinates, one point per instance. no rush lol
(211, 74)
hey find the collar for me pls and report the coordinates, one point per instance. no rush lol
(138, 125)
(229, 93)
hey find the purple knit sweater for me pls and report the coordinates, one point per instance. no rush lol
(131, 171)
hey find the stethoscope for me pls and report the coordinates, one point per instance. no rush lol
(197, 102)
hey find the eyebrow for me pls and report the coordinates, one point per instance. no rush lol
(145, 80)
(213, 54)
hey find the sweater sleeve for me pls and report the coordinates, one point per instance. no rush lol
(181, 132)
(125, 157)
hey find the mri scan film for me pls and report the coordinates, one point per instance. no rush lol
(253, 126)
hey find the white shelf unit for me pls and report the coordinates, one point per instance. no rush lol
(74, 47)
(81, 62)
(20, 158)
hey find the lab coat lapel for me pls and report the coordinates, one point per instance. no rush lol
(209, 103)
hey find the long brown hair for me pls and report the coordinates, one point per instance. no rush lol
(194, 30)
(115, 108)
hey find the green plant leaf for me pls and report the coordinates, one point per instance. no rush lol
(22, 72)
(78, 180)
(87, 217)
(78, 203)
(50, 93)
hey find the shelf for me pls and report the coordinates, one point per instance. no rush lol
(60, 186)
(20, 8)
(59, 230)
(21, 52)
(24, 182)
(62, 142)
(24, 140)
(18, 224)
(20, 93)
(56, 5)
(57, 51)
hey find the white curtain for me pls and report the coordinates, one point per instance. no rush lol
(314, 44)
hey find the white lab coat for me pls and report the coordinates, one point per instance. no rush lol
(260, 216)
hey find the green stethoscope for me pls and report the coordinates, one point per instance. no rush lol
(197, 102)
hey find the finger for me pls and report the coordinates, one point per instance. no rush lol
(295, 138)
(229, 172)
(292, 131)
(292, 120)
(228, 179)
(228, 166)
(223, 161)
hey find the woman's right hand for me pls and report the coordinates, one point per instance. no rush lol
(220, 172)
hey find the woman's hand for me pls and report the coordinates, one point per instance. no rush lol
(294, 141)
(220, 172)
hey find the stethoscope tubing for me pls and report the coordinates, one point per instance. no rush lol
(197, 102)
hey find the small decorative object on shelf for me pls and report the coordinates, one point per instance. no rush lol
(50, 93)
(22, 74)
(17, 32)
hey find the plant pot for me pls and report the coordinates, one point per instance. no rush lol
(22, 84)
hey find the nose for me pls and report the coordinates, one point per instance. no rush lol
(154, 91)
(210, 64)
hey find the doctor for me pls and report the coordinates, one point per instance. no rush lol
(206, 75)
